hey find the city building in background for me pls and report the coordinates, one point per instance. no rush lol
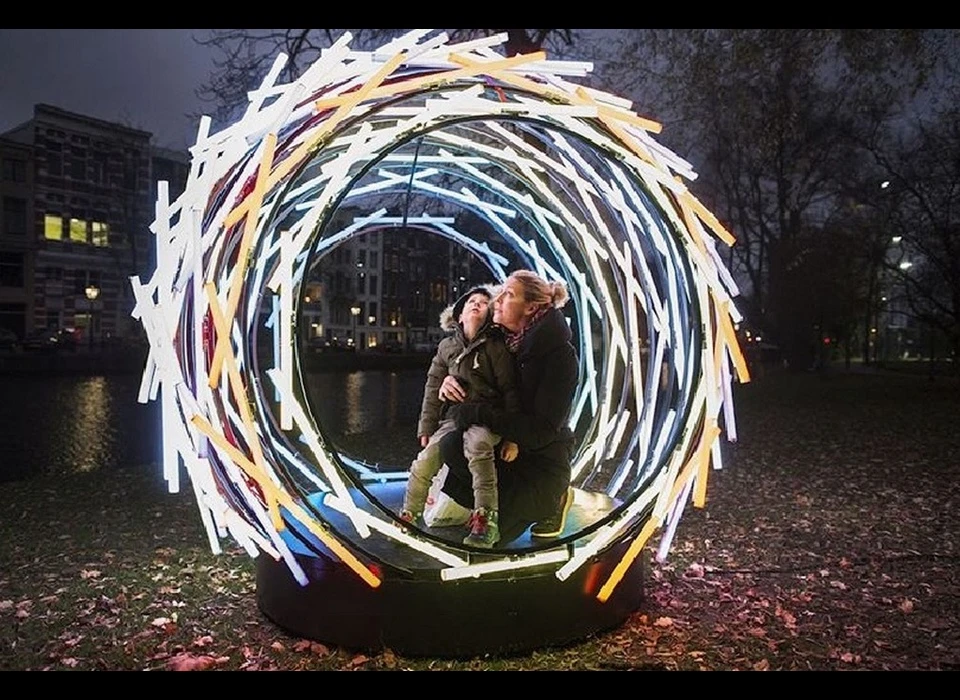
(384, 289)
(18, 245)
(78, 197)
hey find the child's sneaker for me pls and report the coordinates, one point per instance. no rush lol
(411, 518)
(484, 531)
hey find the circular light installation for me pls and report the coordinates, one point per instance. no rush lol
(563, 179)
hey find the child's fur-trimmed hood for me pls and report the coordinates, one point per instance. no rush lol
(449, 317)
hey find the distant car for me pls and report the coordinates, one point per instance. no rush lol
(51, 340)
(321, 344)
(8, 339)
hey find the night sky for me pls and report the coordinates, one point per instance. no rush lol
(144, 78)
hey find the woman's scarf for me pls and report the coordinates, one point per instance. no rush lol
(513, 340)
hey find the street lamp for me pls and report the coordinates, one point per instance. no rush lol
(354, 312)
(92, 293)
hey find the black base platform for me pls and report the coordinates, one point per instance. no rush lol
(499, 614)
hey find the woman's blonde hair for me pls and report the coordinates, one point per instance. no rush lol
(538, 290)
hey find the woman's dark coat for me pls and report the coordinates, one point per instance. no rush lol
(530, 487)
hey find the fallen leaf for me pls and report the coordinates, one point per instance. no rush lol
(789, 620)
(277, 646)
(190, 662)
(359, 659)
(663, 622)
(203, 641)
(319, 649)
(906, 605)
(762, 665)
(839, 584)
(389, 658)
(69, 661)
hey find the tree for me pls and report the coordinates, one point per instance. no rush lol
(774, 118)
(923, 170)
(247, 54)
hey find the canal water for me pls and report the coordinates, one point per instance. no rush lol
(65, 424)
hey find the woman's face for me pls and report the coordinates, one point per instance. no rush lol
(510, 310)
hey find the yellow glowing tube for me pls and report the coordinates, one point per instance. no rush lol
(351, 100)
(691, 225)
(621, 568)
(733, 347)
(277, 494)
(619, 114)
(239, 395)
(701, 461)
(594, 227)
(251, 208)
(707, 217)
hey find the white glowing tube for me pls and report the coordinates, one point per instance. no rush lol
(678, 456)
(672, 521)
(493, 567)
(286, 369)
(616, 483)
(729, 420)
(593, 229)
(333, 478)
(610, 532)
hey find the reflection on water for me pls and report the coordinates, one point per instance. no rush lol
(68, 424)
(63, 424)
(369, 415)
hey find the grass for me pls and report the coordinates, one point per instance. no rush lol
(829, 542)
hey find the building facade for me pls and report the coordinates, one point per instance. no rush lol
(384, 289)
(18, 245)
(78, 197)
(84, 188)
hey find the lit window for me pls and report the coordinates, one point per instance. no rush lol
(53, 227)
(101, 233)
(78, 230)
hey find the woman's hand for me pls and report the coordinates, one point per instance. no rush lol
(450, 390)
(508, 451)
(424, 439)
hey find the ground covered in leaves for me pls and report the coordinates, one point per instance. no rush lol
(828, 542)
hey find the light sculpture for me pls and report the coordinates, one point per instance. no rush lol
(567, 180)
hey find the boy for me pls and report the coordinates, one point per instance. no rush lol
(476, 354)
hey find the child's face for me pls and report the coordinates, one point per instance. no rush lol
(476, 306)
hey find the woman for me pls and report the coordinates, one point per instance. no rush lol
(535, 488)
